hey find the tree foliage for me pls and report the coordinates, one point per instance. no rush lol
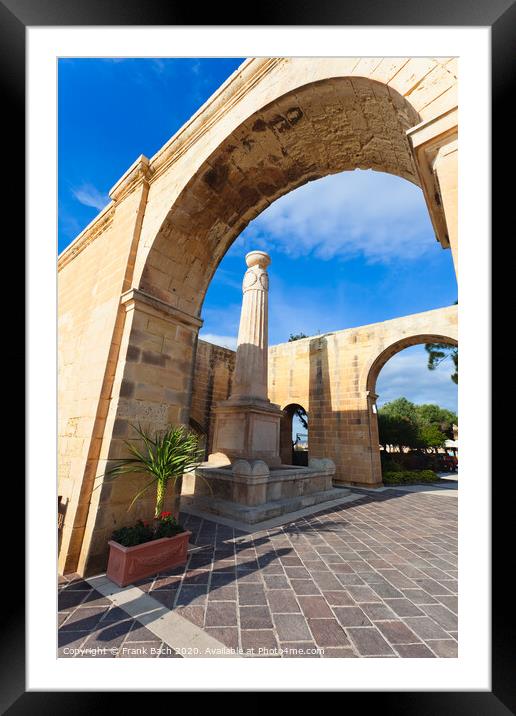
(406, 425)
(443, 419)
(296, 337)
(429, 436)
(397, 431)
(303, 417)
(439, 352)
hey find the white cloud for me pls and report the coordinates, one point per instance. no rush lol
(359, 213)
(224, 341)
(406, 375)
(224, 320)
(88, 195)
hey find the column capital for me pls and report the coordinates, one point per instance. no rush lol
(258, 258)
(256, 278)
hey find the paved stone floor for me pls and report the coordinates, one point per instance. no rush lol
(374, 578)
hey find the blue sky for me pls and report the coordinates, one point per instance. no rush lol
(347, 250)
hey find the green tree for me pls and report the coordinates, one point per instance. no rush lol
(398, 425)
(443, 419)
(429, 436)
(404, 424)
(439, 352)
(400, 408)
(296, 337)
(303, 417)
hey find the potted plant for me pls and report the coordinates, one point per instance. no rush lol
(143, 549)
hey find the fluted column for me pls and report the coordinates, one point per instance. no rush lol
(250, 375)
(247, 424)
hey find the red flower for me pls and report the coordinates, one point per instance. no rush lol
(165, 514)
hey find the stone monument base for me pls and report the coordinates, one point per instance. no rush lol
(251, 493)
(246, 429)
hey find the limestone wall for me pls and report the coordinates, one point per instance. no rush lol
(131, 286)
(213, 374)
(333, 376)
(93, 273)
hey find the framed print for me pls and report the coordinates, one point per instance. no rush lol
(248, 418)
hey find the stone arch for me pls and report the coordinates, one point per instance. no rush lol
(321, 128)
(133, 282)
(371, 374)
(372, 368)
(286, 431)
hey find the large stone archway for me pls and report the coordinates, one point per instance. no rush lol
(128, 327)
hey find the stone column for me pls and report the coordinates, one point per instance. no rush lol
(247, 425)
(374, 440)
(250, 375)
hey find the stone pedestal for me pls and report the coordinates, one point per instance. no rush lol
(250, 493)
(250, 431)
(244, 480)
(247, 425)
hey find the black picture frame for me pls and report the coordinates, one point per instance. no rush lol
(500, 16)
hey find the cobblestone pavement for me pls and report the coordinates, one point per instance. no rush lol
(374, 578)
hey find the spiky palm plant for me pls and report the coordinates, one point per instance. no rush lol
(165, 456)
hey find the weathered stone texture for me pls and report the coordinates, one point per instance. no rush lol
(276, 124)
(213, 374)
(333, 377)
(92, 276)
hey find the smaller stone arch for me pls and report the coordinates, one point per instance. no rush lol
(375, 364)
(286, 449)
(370, 376)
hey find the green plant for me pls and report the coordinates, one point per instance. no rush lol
(409, 477)
(404, 424)
(296, 337)
(439, 352)
(164, 526)
(389, 463)
(165, 456)
(136, 534)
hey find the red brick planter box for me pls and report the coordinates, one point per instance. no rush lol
(128, 564)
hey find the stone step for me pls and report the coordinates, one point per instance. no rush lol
(267, 515)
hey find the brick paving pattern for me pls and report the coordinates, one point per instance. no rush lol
(374, 578)
(90, 626)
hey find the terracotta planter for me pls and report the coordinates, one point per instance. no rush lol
(128, 564)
